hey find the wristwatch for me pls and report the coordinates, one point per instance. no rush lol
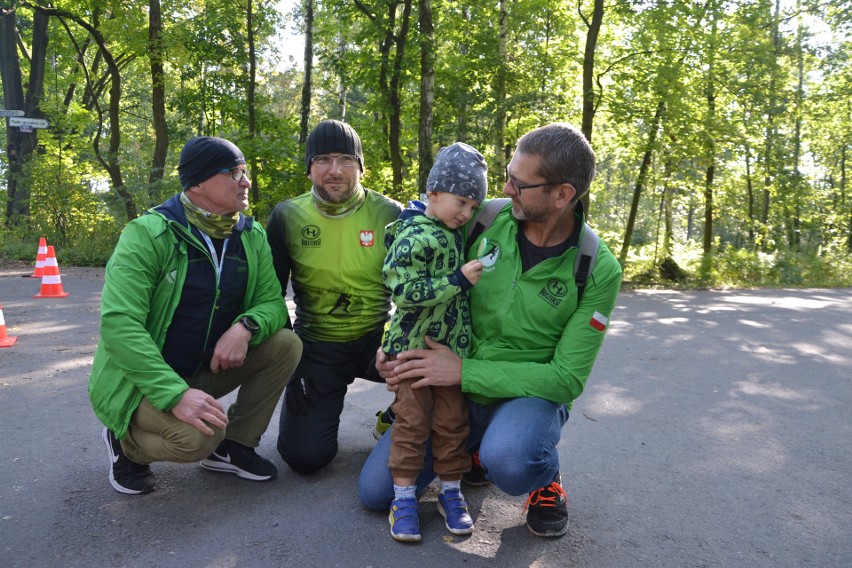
(250, 325)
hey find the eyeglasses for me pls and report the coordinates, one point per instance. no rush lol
(344, 161)
(237, 174)
(519, 187)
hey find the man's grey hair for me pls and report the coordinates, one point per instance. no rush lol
(566, 155)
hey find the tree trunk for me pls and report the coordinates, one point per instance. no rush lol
(20, 145)
(253, 132)
(427, 94)
(594, 28)
(749, 196)
(640, 180)
(501, 149)
(709, 135)
(305, 112)
(158, 99)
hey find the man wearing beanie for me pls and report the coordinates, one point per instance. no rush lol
(426, 273)
(328, 243)
(537, 328)
(191, 310)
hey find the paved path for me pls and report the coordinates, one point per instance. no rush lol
(715, 431)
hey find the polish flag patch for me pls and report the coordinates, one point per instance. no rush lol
(599, 321)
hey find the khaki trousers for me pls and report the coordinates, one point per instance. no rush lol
(154, 435)
(439, 411)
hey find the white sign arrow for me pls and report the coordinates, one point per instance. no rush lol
(30, 122)
(11, 112)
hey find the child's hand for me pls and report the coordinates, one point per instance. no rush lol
(472, 271)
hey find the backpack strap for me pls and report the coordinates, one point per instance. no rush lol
(484, 217)
(584, 264)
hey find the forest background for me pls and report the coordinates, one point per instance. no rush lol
(722, 128)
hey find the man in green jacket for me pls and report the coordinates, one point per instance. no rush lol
(534, 342)
(191, 310)
(329, 244)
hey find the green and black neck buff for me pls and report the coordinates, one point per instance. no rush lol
(341, 208)
(215, 226)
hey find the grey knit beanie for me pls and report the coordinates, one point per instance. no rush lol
(203, 157)
(331, 137)
(459, 169)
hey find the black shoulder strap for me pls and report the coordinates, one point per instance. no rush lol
(484, 217)
(584, 264)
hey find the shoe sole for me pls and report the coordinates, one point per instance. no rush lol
(549, 534)
(403, 537)
(476, 483)
(221, 467)
(112, 481)
(459, 532)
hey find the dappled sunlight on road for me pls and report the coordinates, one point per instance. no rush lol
(744, 437)
(788, 302)
(612, 401)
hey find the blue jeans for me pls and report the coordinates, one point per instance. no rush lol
(517, 446)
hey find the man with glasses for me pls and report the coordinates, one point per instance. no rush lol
(534, 342)
(191, 310)
(329, 244)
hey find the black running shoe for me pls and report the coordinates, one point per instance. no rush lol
(548, 510)
(233, 457)
(126, 476)
(476, 477)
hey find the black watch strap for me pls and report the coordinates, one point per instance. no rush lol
(250, 325)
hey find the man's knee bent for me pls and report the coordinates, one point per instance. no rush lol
(192, 445)
(305, 459)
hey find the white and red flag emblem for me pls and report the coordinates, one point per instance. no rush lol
(599, 321)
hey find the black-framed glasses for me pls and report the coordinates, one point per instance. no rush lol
(344, 161)
(520, 187)
(237, 174)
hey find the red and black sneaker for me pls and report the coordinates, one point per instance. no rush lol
(477, 476)
(548, 510)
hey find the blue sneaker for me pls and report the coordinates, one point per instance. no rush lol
(404, 522)
(453, 508)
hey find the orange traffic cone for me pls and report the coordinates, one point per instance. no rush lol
(5, 340)
(51, 282)
(40, 258)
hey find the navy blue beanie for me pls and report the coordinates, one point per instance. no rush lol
(203, 157)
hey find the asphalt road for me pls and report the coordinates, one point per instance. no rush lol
(714, 431)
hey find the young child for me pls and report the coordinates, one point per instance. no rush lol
(425, 273)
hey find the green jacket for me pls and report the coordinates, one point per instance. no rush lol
(530, 339)
(423, 272)
(142, 288)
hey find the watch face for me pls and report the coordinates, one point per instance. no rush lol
(250, 325)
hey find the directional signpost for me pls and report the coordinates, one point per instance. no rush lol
(28, 122)
(11, 112)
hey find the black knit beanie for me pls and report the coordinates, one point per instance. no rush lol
(330, 137)
(459, 169)
(204, 156)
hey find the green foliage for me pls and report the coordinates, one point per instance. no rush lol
(733, 267)
(777, 131)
